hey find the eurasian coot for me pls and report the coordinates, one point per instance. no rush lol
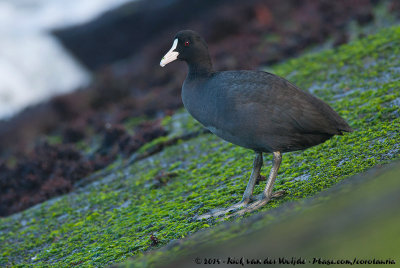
(252, 109)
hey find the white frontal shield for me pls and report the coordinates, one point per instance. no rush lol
(171, 55)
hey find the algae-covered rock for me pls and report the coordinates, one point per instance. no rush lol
(355, 222)
(143, 205)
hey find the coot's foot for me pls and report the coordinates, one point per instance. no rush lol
(223, 211)
(262, 201)
(273, 195)
(242, 207)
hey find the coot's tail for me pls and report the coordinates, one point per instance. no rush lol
(344, 127)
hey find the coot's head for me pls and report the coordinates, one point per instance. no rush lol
(187, 46)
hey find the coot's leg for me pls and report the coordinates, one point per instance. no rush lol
(272, 175)
(267, 194)
(255, 173)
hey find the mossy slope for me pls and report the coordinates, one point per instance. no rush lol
(155, 200)
(355, 221)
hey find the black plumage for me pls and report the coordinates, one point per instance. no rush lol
(253, 109)
(260, 111)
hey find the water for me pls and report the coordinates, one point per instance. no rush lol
(33, 64)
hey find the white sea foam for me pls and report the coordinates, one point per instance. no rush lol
(33, 64)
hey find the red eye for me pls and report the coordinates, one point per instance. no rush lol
(186, 43)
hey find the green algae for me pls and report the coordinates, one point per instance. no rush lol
(357, 218)
(114, 218)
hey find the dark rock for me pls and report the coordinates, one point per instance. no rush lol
(120, 33)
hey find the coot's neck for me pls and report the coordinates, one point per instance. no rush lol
(200, 68)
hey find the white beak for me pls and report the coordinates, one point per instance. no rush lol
(171, 55)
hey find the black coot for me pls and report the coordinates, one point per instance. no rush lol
(253, 109)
